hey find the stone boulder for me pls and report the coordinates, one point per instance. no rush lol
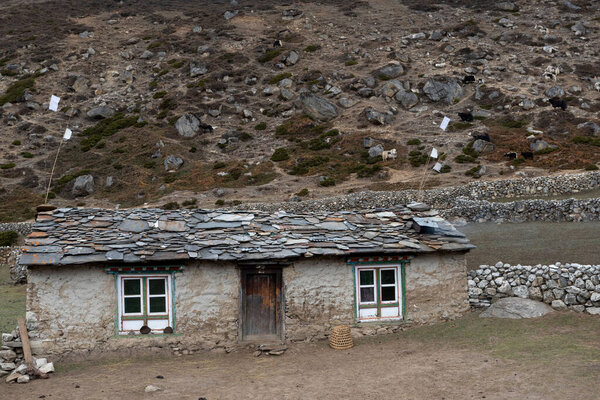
(482, 146)
(188, 125)
(390, 71)
(443, 89)
(376, 117)
(101, 112)
(406, 98)
(516, 308)
(317, 107)
(172, 163)
(83, 186)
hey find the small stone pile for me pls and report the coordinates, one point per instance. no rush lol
(569, 286)
(12, 362)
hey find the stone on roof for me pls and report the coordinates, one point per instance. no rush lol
(69, 236)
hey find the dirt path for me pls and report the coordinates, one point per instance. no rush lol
(377, 368)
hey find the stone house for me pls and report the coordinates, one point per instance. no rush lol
(199, 279)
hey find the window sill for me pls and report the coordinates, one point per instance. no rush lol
(150, 335)
(389, 322)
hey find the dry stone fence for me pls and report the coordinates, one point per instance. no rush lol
(569, 286)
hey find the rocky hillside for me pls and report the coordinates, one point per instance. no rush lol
(186, 104)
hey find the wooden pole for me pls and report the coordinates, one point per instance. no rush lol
(25, 341)
(420, 192)
(52, 172)
(31, 367)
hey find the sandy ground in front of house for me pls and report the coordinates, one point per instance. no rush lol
(554, 357)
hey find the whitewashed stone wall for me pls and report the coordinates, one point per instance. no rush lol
(568, 286)
(72, 310)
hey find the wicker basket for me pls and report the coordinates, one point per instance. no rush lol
(340, 338)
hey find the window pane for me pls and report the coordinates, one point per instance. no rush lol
(131, 286)
(133, 305)
(388, 277)
(366, 277)
(367, 294)
(156, 286)
(158, 304)
(388, 293)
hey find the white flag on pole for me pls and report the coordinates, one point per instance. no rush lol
(434, 153)
(54, 100)
(437, 167)
(67, 135)
(445, 123)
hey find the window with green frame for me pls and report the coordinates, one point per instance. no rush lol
(145, 300)
(378, 292)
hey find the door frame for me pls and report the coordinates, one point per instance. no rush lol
(276, 269)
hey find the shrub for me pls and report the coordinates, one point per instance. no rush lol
(312, 48)
(302, 193)
(364, 171)
(547, 150)
(27, 154)
(586, 140)
(8, 238)
(154, 45)
(279, 77)
(168, 104)
(16, 90)
(159, 95)
(269, 55)
(445, 169)
(260, 126)
(351, 62)
(219, 165)
(416, 158)
(473, 172)
(172, 205)
(220, 202)
(327, 182)
(413, 142)
(189, 203)
(16, 143)
(105, 128)
(280, 154)
(245, 136)
(150, 164)
(302, 167)
(7, 165)
(591, 167)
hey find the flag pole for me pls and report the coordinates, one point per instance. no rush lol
(52, 172)
(420, 192)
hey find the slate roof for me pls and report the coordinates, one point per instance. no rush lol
(69, 236)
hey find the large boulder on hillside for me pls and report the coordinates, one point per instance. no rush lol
(443, 89)
(187, 125)
(83, 186)
(390, 71)
(101, 112)
(317, 107)
(516, 308)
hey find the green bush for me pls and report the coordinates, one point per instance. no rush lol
(27, 154)
(591, 167)
(7, 165)
(302, 193)
(327, 182)
(269, 55)
(416, 158)
(172, 205)
(445, 169)
(245, 136)
(260, 126)
(8, 238)
(280, 154)
(16, 143)
(364, 171)
(302, 167)
(586, 140)
(219, 165)
(105, 128)
(220, 202)
(413, 142)
(351, 62)
(159, 95)
(473, 171)
(312, 48)
(16, 90)
(279, 77)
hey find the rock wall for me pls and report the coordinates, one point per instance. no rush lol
(9, 258)
(568, 286)
(445, 198)
(568, 210)
(22, 228)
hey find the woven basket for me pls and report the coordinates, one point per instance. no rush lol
(340, 338)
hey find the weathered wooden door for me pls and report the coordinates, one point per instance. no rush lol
(261, 303)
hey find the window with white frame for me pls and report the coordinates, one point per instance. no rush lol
(378, 292)
(145, 300)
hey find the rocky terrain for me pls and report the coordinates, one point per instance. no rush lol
(187, 104)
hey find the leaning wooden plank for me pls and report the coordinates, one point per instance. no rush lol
(31, 367)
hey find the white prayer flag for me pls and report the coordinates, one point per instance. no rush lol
(68, 133)
(54, 100)
(434, 153)
(445, 123)
(437, 167)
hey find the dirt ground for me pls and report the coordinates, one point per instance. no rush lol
(555, 357)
